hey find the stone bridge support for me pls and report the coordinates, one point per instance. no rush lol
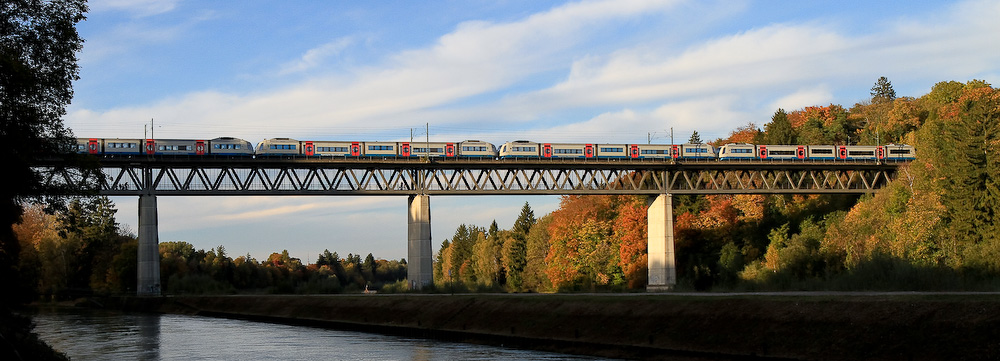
(148, 283)
(660, 244)
(419, 270)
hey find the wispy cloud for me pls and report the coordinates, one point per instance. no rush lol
(139, 8)
(317, 56)
(722, 82)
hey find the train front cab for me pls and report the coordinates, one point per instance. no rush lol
(519, 149)
(737, 151)
(278, 146)
(476, 149)
(229, 146)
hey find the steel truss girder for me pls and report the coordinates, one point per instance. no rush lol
(388, 178)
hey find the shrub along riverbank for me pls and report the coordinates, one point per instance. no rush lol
(811, 327)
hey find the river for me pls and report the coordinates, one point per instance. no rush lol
(89, 334)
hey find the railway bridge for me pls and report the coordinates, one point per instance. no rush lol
(148, 177)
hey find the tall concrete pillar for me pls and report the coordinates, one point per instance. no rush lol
(660, 244)
(419, 269)
(148, 283)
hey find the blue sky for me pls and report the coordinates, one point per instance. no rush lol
(594, 71)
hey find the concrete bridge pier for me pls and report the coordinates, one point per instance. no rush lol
(419, 269)
(148, 283)
(660, 244)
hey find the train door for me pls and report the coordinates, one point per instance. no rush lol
(546, 150)
(150, 146)
(355, 149)
(449, 149)
(93, 146)
(762, 151)
(309, 149)
(633, 151)
(842, 152)
(674, 151)
(199, 147)
(800, 152)
(404, 149)
(588, 151)
(880, 152)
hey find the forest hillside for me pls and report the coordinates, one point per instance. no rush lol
(933, 228)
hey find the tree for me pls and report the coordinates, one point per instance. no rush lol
(882, 91)
(695, 138)
(38, 45)
(515, 248)
(779, 130)
(537, 245)
(524, 221)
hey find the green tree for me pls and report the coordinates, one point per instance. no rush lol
(695, 138)
(38, 46)
(442, 262)
(537, 244)
(462, 244)
(882, 91)
(515, 248)
(971, 178)
(779, 130)
(485, 261)
(369, 267)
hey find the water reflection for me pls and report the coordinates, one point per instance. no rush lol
(96, 334)
(86, 334)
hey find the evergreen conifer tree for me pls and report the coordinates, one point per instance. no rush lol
(779, 130)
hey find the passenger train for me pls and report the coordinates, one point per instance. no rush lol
(520, 149)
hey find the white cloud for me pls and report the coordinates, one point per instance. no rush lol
(139, 8)
(818, 95)
(317, 56)
(477, 57)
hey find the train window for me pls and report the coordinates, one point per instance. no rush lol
(822, 151)
(567, 151)
(861, 153)
(782, 152)
(522, 149)
(473, 149)
(121, 145)
(380, 147)
(425, 150)
(333, 149)
(899, 151)
(655, 151)
(612, 150)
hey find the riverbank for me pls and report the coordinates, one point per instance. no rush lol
(674, 327)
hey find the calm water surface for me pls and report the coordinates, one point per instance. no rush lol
(86, 334)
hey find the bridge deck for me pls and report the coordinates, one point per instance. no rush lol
(161, 175)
